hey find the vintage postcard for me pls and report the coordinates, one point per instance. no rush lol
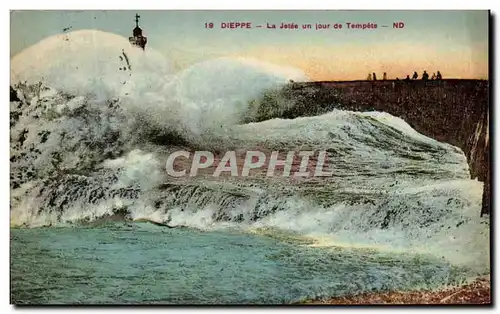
(249, 157)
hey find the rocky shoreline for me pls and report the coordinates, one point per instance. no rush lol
(477, 292)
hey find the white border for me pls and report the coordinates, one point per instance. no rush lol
(185, 5)
(254, 5)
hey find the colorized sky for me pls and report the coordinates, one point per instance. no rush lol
(454, 42)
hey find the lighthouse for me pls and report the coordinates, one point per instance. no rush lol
(137, 39)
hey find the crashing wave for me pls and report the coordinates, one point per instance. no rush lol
(90, 135)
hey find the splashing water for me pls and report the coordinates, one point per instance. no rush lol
(91, 139)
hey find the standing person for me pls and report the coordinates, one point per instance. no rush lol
(407, 79)
(433, 76)
(385, 76)
(369, 78)
(374, 76)
(415, 75)
(425, 76)
(439, 76)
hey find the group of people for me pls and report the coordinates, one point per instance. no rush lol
(373, 76)
(425, 76)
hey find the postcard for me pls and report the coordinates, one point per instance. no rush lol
(249, 157)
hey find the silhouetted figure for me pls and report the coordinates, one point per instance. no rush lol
(397, 78)
(425, 76)
(433, 76)
(374, 76)
(438, 76)
(407, 79)
(415, 75)
(384, 77)
(369, 78)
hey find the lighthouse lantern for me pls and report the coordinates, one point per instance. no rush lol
(137, 39)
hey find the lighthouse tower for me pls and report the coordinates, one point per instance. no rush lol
(137, 39)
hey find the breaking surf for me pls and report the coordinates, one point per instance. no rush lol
(399, 211)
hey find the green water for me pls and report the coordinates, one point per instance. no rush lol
(140, 263)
